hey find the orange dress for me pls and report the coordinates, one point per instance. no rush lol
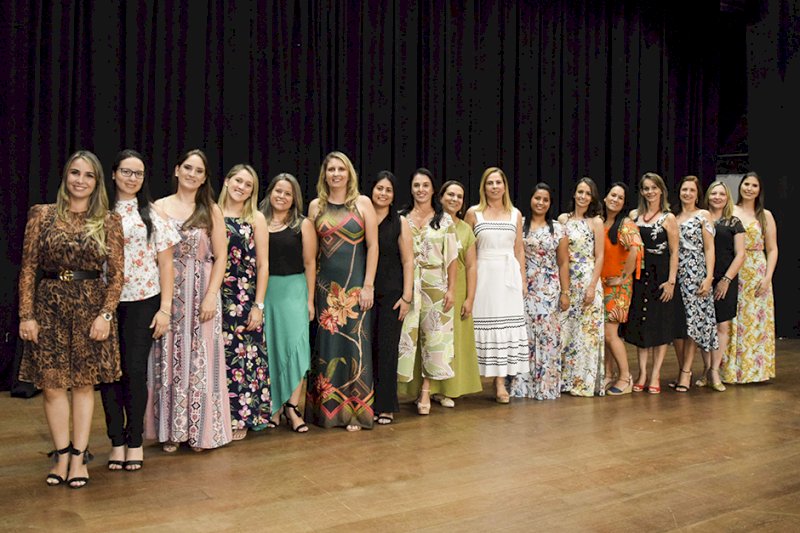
(617, 299)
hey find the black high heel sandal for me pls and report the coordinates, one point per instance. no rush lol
(54, 454)
(302, 428)
(684, 388)
(83, 480)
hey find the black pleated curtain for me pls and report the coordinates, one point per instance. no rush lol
(546, 90)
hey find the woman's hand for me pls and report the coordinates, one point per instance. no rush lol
(466, 309)
(366, 297)
(762, 287)
(311, 310)
(255, 319)
(208, 307)
(403, 307)
(722, 289)
(29, 331)
(100, 329)
(667, 291)
(613, 281)
(588, 298)
(563, 301)
(159, 324)
(705, 287)
(449, 300)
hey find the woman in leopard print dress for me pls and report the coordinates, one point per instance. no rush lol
(67, 319)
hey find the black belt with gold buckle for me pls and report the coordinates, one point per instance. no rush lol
(72, 275)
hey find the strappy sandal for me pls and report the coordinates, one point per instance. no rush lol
(383, 419)
(423, 408)
(133, 465)
(54, 479)
(83, 480)
(684, 388)
(115, 465)
(300, 428)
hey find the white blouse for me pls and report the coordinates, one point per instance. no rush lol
(141, 266)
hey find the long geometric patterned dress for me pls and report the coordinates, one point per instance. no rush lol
(186, 375)
(751, 353)
(246, 360)
(340, 382)
(582, 331)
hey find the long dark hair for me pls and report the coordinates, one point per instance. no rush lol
(613, 231)
(594, 208)
(435, 203)
(446, 185)
(758, 204)
(143, 198)
(203, 198)
(541, 186)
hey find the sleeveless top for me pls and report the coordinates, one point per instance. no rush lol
(390, 267)
(286, 253)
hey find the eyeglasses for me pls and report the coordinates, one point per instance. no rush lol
(127, 173)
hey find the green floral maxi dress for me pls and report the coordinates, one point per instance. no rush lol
(340, 382)
(427, 329)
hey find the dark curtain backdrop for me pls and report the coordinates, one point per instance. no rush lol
(773, 42)
(546, 90)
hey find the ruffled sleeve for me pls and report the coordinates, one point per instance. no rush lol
(164, 235)
(30, 259)
(629, 237)
(115, 261)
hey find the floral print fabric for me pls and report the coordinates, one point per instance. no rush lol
(245, 357)
(751, 352)
(427, 329)
(542, 315)
(701, 323)
(582, 335)
(617, 298)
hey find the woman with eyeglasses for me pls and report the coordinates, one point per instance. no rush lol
(144, 310)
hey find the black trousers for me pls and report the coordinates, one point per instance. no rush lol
(124, 401)
(385, 339)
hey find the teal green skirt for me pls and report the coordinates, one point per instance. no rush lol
(286, 330)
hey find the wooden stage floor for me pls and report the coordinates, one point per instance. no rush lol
(702, 461)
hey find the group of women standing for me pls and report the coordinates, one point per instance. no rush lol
(192, 314)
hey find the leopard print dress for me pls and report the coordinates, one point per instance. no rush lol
(65, 356)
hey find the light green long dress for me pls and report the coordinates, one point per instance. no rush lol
(465, 363)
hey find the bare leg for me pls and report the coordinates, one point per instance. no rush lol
(424, 398)
(685, 374)
(82, 410)
(56, 411)
(501, 394)
(617, 348)
(723, 331)
(658, 359)
(294, 418)
(701, 381)
(644, 354)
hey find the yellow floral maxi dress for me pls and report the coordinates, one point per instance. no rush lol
(427, 329)
(751, 350)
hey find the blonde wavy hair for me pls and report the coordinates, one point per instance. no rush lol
(251, 204)
(352, 182)
(95, 225)
(483, 203)
(727, 210)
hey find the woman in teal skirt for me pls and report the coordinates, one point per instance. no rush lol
(289, 304)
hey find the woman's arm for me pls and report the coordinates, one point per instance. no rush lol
(562, 259)
(309, 236)
(771, 246)
(471, 271)
(733, 269)
(708, 252)
(407, 259)
(671, 227)
(366, 298)
(519, 253)
(28, 326)
(219, 247)
(261, 237)
(596, 225)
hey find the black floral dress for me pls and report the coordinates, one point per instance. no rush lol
(245, 351)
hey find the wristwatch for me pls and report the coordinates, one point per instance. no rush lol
(260, 305)
(107, 316)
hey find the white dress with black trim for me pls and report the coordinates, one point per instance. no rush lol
(501, 337)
